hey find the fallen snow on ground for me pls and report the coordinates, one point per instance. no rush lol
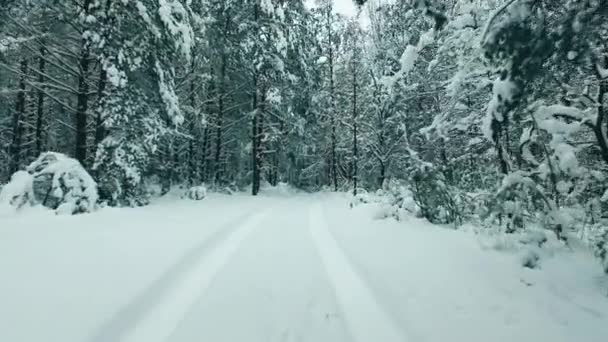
(281, 267)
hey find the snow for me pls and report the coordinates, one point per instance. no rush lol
(198, 192)
(365, 318)
(560, 131)
(454, 87)
(603, 72)
(174, 17)
(408, 59)
(143, 13)
(170, 99)
(503, 91)
(604, 197)
(17, 192)
(284, 266)
(159, 322)
(462, 21)
(117, 78)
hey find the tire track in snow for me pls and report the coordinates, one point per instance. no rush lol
(365, 318)
(153, 316)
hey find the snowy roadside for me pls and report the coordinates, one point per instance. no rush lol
(64, 275)
(475, 290)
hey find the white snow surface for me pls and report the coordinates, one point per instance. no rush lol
(284, 266)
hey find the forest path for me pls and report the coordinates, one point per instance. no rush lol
(280, 268)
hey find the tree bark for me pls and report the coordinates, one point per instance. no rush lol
(333, 161)
(83, 97)
(255, 181)
(15, 149)
(191, 154)
(220, 122)
(100, 132)
(598, 128)
(255, 153)
(40, 104)
(355, 151)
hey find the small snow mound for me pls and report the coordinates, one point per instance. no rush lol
(18, 192)
(196, 193)
(530, 259)
(362, 197)
(55, 181)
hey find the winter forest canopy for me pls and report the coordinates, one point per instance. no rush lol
(485, 110)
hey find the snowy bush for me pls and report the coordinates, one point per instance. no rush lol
(55, 181)
(362, 197)
(600, 245)
(18, 192)
(530, 259)
(196, 192)
(396, 199)
(436, 200)
(120, 165)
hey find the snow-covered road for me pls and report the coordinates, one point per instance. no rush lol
(280, 268)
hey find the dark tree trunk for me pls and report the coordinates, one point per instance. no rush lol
(191, 154)
(255, 153)
(220, 124)
(100, 132)
(255, 182)
(219, 166)
(382, 176)
(333, 162)
(82, 102)
(81, 109)
(598, 127)
(204, 158)
(40, 104)
(355, 152)
(18, 115)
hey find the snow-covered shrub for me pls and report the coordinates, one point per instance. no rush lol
(396, 201)
(601, 247)
(18, 192)
(436, 200)
(55, 181)
(362, 197)
(119, 165)
(530, 259)
(401, 197)
(196, 193)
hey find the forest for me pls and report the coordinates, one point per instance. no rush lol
(487, 111)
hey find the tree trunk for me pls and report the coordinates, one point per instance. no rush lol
(382, 176)
(191, 154)
(355, 152)
(15, 149)
(255, 182)
(82, 103)
(100, 132)
(220, 123)
(332, 107)
(598, 128)
(255, 153)
(40, 104)
(204, 159)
